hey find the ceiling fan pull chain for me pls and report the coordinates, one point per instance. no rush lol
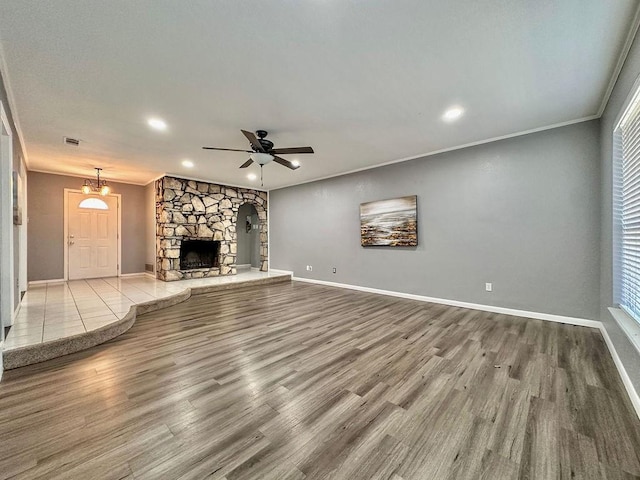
(261, 182)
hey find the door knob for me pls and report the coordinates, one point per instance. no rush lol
(71, 242)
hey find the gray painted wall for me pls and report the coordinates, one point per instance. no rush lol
(243, 238)
(248, 242)
(521, 213)
(628, 76)
(255, 239)
(46, 225)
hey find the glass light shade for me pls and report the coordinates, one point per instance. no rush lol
(105, 190)
(86, 189)
(261, 158)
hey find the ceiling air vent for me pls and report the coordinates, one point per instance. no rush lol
(71, 141)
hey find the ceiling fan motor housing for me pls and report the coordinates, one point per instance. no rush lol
(266, 144)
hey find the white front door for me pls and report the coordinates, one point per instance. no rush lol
(92, 235)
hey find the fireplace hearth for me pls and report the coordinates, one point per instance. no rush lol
(199, 254)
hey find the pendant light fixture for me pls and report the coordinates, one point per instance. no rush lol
(97, 186)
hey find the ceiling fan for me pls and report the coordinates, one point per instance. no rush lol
(262, 151)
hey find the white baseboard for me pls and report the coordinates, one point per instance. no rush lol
(582, 322)
(42, 282)
(456, 303)
(62, 280)
(151, 275)
(15, 314)
(243, 265)
(285, 272)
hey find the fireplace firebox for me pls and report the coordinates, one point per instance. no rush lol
(199, 254)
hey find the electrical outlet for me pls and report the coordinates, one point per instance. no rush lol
(309, 268)
(334, 269)
(488, 287)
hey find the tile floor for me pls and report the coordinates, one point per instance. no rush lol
(62, 309)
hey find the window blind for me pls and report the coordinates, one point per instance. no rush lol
(627, 209)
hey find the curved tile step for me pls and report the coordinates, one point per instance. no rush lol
(30, 354)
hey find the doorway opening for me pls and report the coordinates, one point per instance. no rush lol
(248, 238)
(8, 302)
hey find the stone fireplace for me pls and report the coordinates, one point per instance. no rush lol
(199, 254)
(196, 228)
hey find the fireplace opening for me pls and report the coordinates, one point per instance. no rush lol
(199, 254)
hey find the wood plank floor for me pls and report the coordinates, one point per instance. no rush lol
(299, 381)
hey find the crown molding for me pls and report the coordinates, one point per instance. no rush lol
(622, 58)
(445, 150)
(75, 175)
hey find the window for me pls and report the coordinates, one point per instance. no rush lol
(93, 202)
(626, 201)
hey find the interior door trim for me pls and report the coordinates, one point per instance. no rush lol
(65, 232)
(7, 279)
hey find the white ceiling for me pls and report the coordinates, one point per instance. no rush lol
(364, 83)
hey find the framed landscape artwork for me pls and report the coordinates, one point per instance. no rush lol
(389, 223)
(16, 185)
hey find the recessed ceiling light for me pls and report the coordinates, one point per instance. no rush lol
(296, 163)
(187, 163)
(157, 124)
(452, 114)
(252, 176)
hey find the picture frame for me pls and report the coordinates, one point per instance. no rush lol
(389, 223)
(16, 188)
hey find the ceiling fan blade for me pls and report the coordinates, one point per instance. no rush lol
(246, 164)
(227, 149)
(286, 163)
(282, 151)
(253, 140)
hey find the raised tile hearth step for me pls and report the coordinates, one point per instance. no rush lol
(20, 356)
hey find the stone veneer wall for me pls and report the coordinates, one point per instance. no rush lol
(190, 210)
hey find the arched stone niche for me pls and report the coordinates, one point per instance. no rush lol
(262, 221)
